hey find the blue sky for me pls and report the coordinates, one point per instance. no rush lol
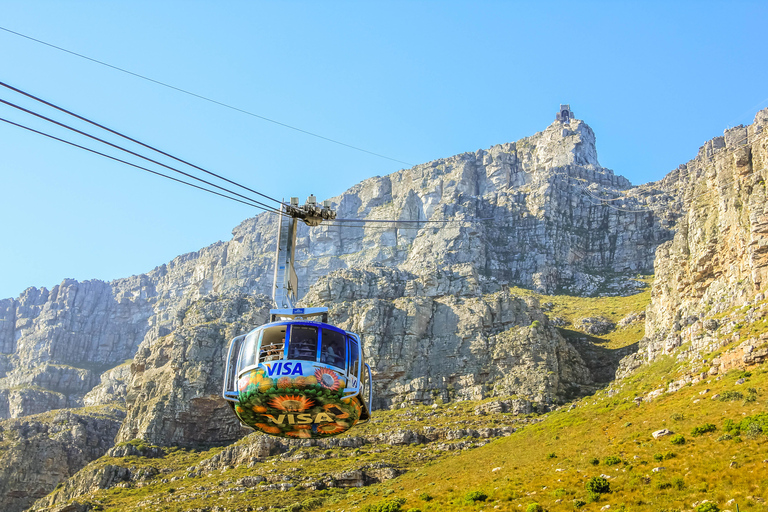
(414, 81)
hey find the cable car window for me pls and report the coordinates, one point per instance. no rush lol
(249, 350)
(333, 350)
(272, 343)
(303, 343)
(354, 359)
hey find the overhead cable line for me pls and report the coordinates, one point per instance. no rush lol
(66, 126)
(119, 134)
(402, 221)
(199, 96)
(134, 165)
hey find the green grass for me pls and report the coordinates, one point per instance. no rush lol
(511, 473)
(548, 462)
(572, 308)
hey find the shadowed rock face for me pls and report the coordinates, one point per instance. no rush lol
(174, 394)
(452, 334)
(43, 451)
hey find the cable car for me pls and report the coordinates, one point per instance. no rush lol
(297, 376)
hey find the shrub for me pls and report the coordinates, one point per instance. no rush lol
(425, 497)
(753, 431)
(611, 460)
(668, 455)
(392, 505)
(730, 396)
(708, 507)
(663, 485)
(579, 503)
(593, 497)
(725, 437)
(677, 439)
(472, 497)
(658, 457)
(598, 484)
(594, 461)
(678, 483)
(534, 507)
(703, 429)
(678, 416)
(551, 455)
(414, 510)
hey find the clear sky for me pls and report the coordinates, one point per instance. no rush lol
(414, 81)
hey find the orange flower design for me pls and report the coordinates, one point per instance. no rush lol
(269, 429)
(305, 434)
(291, 403)
(284, 382)
(330, 428)
(327, 379)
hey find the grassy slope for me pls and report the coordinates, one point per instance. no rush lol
(542, 462)
(553, 460)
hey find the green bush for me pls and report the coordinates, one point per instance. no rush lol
(594, 461)
(703, 429)
(414, 510)
(730, 396)
(658, 457)
(708, 507)
(678, 483)
(425, 497)
(534, 507)
(579, 503)
(593, 497)
(677, 439)
(392, 505)
(551, 455)
(598, 484)
(611, 460)
(472, 497)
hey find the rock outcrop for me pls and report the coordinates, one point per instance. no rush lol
(38, 453)
(174, 394)
(450, 335)
(718, 258)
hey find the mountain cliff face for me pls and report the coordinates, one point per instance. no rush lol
(529, 213)
(718, 258)
(431, 300)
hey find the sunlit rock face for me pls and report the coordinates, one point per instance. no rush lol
(718, 258)
(533, 213)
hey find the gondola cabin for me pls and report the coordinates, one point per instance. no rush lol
(295, 377)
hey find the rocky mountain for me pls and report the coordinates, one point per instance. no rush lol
(431, 299)
(528, 213)
(718, 258)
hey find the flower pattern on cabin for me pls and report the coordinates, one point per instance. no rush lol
(327, 379)
(292, 403)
